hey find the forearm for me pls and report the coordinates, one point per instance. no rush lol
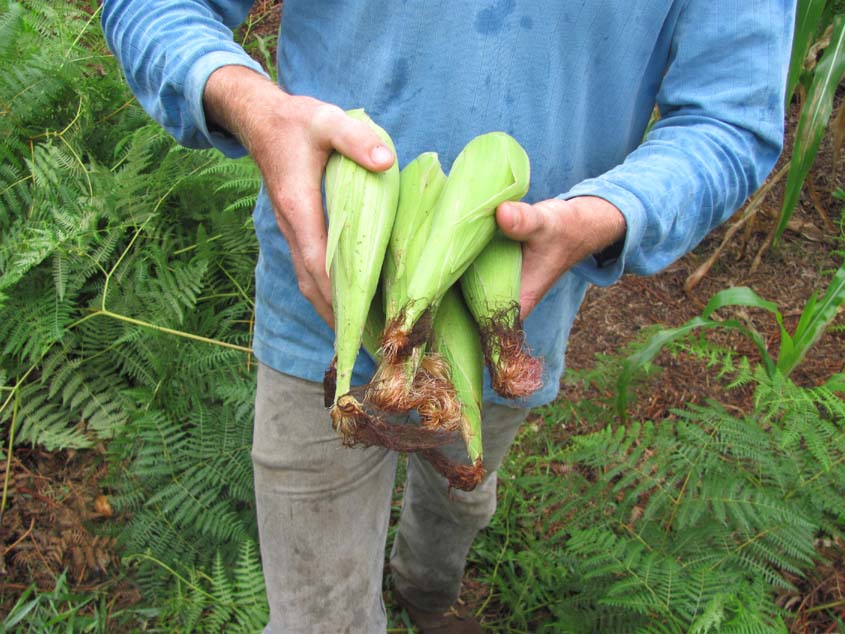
(720, 133)
(168, 50)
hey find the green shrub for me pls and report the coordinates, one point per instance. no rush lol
(126, 268)
(694, 523)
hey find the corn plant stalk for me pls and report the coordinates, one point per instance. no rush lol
(361, 208)
(491, 287)
(491, 169)
(815, 114)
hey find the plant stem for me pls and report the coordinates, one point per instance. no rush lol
(170, 331)
(826, 606)
(9, 456)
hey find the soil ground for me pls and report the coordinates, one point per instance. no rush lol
(56, 503)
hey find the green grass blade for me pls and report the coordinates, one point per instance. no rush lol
(813, 322)
(740, 296)
(814, 119)
(659, 340)
(21, 609)
(807, 17)
(744, 296)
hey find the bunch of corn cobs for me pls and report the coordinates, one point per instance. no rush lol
(423, 279)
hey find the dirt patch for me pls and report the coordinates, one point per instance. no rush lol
(53, 523)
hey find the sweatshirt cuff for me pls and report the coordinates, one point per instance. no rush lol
(195, 86)
(604, 272)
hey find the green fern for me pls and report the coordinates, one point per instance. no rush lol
(223, 599)
(112, 237)
(688, 524)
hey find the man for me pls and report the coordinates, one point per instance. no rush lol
(575, 82)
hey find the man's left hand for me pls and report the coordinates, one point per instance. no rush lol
(557, 234)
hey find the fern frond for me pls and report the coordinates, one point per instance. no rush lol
(249, 594)
(220, 611)
(43, 422)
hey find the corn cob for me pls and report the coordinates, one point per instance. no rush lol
(361, 208)
(421, 183)
(365, 426)
(491, 169)
(420, 381)
(456, 338)
(491, 289)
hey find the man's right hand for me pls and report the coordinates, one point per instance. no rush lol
(291, 138)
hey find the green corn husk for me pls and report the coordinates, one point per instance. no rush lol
(491, 169)
(456, 339)
(420, 381)
(420, 185)
(369, 339)
(456, 333)
(374, 326)
(490, 287)
(361, 209)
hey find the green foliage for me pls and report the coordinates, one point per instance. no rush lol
(815, 318)
(230, 597)
(62, 609)
(126, 268)
(125, 316)
(808, 17)
(817, 107)
(681, 525)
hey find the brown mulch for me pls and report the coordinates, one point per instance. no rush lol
(52, 524)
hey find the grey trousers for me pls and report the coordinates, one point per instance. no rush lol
(323, 512)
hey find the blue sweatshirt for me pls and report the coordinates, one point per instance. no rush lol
(574, 81)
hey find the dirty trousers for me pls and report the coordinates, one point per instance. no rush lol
(323, 512)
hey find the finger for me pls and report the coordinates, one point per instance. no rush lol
(334, 129)
(299, 213)
(520, 221)
(533, 225)
(535, 284)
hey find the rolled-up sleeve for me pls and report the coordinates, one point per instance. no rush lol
(719, 134)
(168, 50)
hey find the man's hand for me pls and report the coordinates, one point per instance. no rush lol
(556, 235)
(291, 138)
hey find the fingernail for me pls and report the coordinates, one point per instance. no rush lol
(516, 215)
(381, 154)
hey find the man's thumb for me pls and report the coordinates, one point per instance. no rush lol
(518, 220)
